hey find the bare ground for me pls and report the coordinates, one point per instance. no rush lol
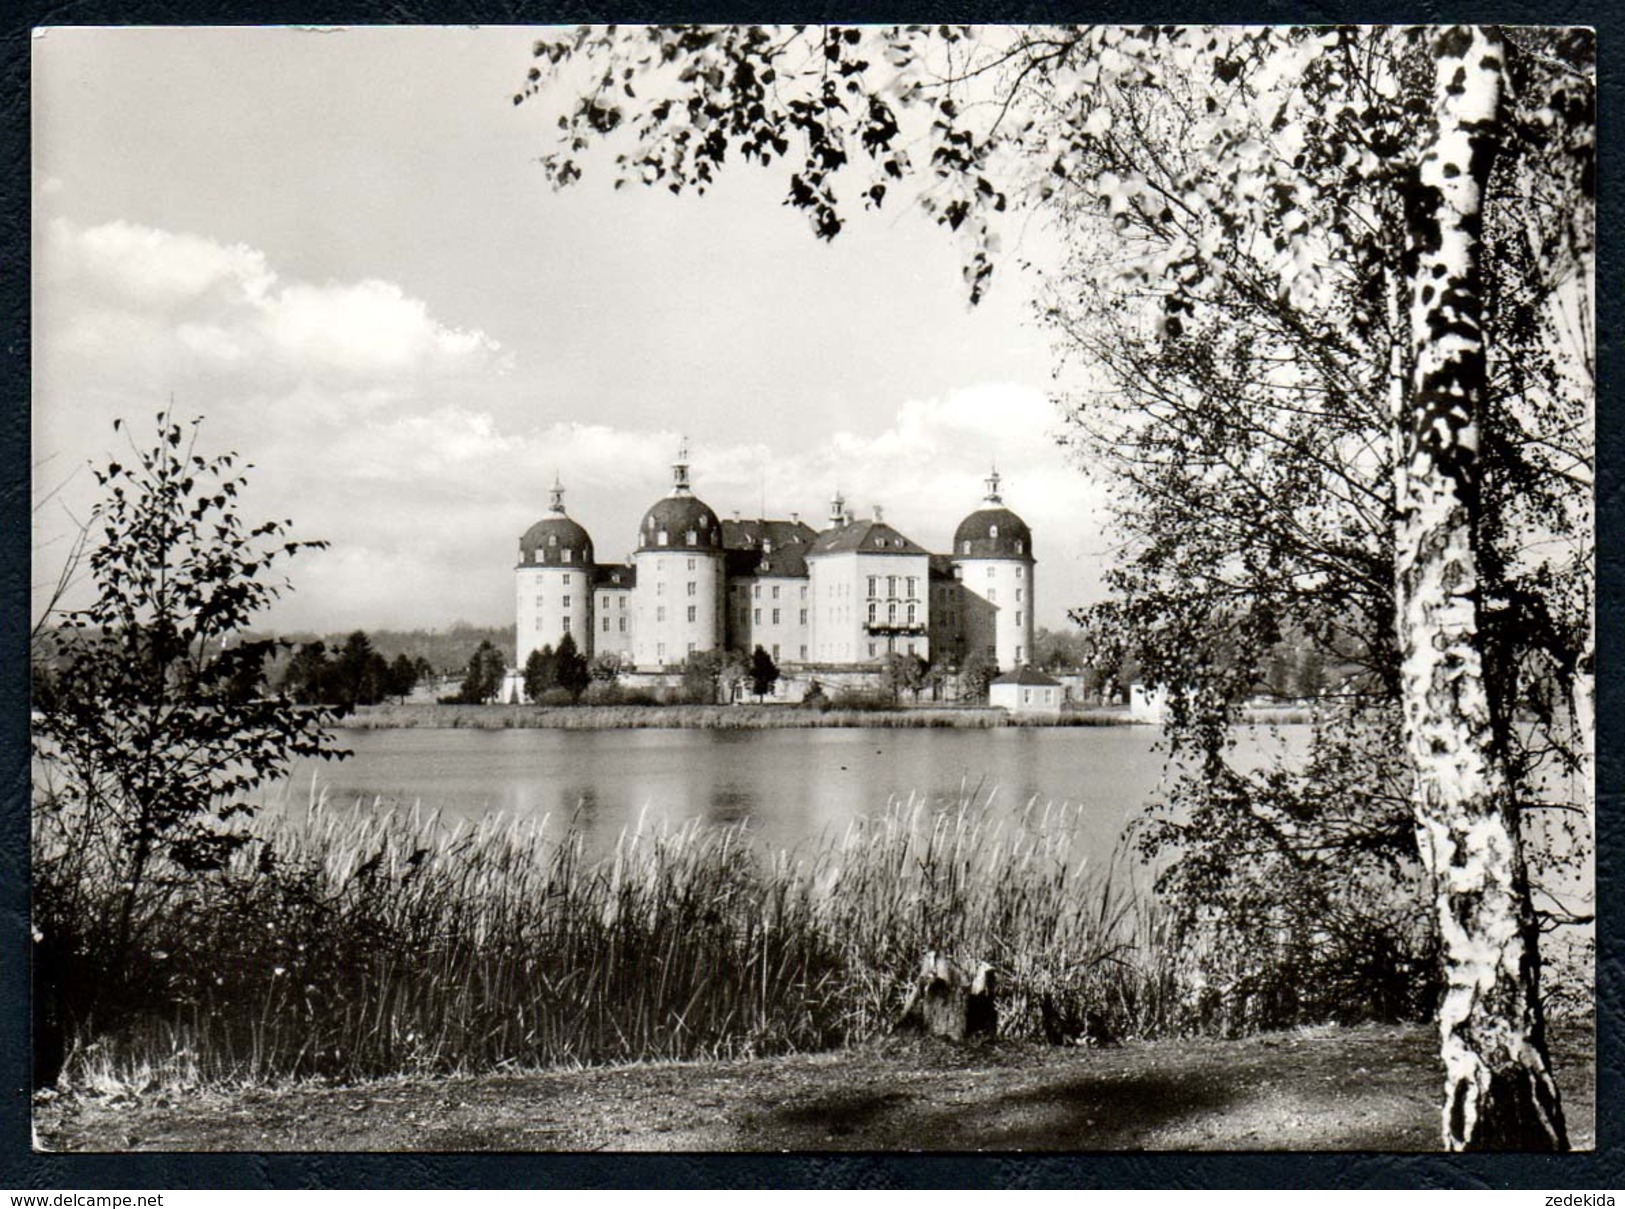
(1369, 1088)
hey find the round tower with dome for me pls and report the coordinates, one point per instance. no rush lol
(680, 565)
(993, 559)
(553, 582)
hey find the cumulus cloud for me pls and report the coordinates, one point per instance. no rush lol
(145, 309)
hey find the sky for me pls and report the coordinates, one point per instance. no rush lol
(337, 246)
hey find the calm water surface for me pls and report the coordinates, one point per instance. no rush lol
(790, 786)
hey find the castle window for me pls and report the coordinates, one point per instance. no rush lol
(775, 617)
(693, 588)
(756, 591)
(569, 554)
(803, 591)
(1018, 618)
(1020, 545)
(606, 625)
(566, 623)
(911, 648)
(775, 591)
(693, 538)
(691, 648)
(803, 652)
(803, 616)
(990, 572)
(622, 626)
(660, 651)
(691, 612)
(874, 610)
(568, 578)
(660, 613)
(911, 585)
(1018, 660)
(911, 612)
(775, 652)
(965, 547)
(871, 650)
(1021, 572)
(756, 616)
(660, 589)
(661, 537)
(891, 585)
(567, 602)
(552, 539)
(691, 564)
(891, 613)
(993, 531)
(874, 583)
(1018, 595)
(992, 595)
(623, 603)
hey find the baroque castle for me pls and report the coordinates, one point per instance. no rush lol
(839, 598)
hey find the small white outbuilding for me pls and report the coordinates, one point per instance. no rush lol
(1025, 691)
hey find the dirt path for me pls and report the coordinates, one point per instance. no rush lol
(1348, 1089)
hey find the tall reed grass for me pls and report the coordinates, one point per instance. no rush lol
(356, 941)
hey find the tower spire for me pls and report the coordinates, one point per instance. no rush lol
(555, 495)
(679, 470)
(992, 481)
(837, 510)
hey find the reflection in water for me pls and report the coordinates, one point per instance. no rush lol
(791, 786)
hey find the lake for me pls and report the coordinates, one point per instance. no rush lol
(789, 786)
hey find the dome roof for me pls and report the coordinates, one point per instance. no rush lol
(554, 541)
(993, 533)
(687, 523)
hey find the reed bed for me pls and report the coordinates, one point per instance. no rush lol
(356, 941)
(705, 717)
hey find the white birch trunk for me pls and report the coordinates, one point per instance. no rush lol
(1498, 1086)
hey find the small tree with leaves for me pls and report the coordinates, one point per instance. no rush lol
(572, 672)
(975, 674)
(158, 723)
(901, 673)
(764, 673)
(483, 679)
(541, 672)
(403, 676)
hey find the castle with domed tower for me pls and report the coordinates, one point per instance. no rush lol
(839, 599)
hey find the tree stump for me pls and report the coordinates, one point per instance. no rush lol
(952, 1000)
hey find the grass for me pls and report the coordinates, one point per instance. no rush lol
(705, 717)
(356, 942)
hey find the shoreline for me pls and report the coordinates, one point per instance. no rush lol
(737, 717)
(704, 717)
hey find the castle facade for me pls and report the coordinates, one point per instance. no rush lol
(843, 597)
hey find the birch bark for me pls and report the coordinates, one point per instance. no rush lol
(1499, 1091)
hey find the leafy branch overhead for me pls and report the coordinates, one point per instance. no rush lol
(1287, 129)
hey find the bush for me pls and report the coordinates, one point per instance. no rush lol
(1295, 895)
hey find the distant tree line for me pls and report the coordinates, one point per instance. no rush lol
(355, 674)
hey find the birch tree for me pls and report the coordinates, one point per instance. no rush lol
(1332, 181)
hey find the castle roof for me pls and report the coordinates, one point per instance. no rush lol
(864, 537)
(614, 575)
(678, 516)
(993, 533)
(549, 540)
(764, 547)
